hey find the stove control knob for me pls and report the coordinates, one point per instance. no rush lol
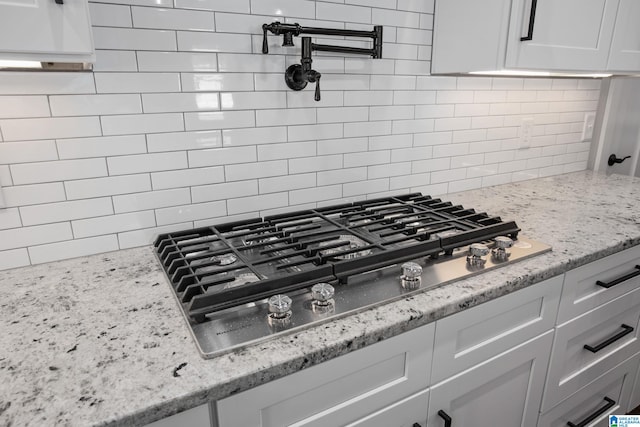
(503, 242)
(411, 275)
(476, 252)
(279, 307)
(322, 293)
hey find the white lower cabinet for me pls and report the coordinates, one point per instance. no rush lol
(338, 392)
(505, 390)
(591, 406)
(409, 412)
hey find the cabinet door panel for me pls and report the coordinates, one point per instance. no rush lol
(196, 417)
(475, 335)
(405, 413)
(339, 391)
(507, 388)
(572, 366)
(615, 384)
(45, 27)
(625, 47)
(567, 34)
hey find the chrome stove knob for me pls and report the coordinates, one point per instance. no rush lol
(503, 242)
(499, 253)
(279, 307)
(411, 275)
(322, 293)
(476, 252)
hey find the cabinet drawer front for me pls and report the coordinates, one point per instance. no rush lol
(572, 365)
(581, 292)
(339, 391)
(590, 401)
(505, 390)
(472, 336)
(405, 413)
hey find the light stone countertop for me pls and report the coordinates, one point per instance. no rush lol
(100, 340)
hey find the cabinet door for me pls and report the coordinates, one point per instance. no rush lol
(505, 390)
(406, 413)
(625, 48)
(566, 35)
(475, 335)
(45, 29)
(196, 417)
(340, 391)
(612, 333)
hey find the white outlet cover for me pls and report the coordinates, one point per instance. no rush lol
(526, 133)
(587, 127)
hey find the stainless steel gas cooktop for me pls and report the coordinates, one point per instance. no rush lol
(243, 282)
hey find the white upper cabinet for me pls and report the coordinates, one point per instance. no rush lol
(539, 35)
(625, 48)
(43, 30)
(571, 35)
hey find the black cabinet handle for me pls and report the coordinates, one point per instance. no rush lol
(416, 425)
(613, 159)
(445, 417)
(627, 330)
(532, 20)
(620, 279)
(587, 421)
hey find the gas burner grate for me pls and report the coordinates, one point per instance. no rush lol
(227, 265)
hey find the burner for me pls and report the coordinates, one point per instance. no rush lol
(338, 252)
(224, 259)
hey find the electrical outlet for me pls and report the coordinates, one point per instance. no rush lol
(526, 133)
(587, 127)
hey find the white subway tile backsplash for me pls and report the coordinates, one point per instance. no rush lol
(27, 151)
(217, 82)
(115, 60)
(176, 141)
(41, 172)
(10, 218)
(343, 114)
(151, 200)
(252, 203)
(112, 224)
(223, 191)
(436, 83)
(397, 112)
(452, 124)
(146, 236)
(343, 13)
(393, 82)
(110, 15)
(23, 106)
(213, 42)
(288, 150)
(454, 97)
(78, 148)
(448, 175)
(368, 158)
(390, 142)
(343, 145)
(340, 176)
(388, 170)
(252, 100)
(222, 156)
(219, 120)
(318, 132)
(338, 82)
(368, 66)
(303, 100)
(179, 102)
(288, 8)
(139, 163)
(413, 97)
(187, 177)
(141, 123)
(433, 138)
(285, 117)
(5, 176)
(66, 211)
(14, 258)
(254, 136)
(314, 164)
(172, 19)
(88, 188)
(261, 169)
(137, 82)
(367, 97)
(435, 111)
(134, 39)
(246, 24)
(22, 195)
(240, 6)
(29, 83)
(411, 67)
(73, 248)
(318, 194)
(94, 105)
(412, 126)
(54, 127)
(37, 235)
(176, 61)
(288, 182)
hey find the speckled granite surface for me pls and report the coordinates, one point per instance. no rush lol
(100, 340)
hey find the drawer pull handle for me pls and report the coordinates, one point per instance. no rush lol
(532, 21)
(621, 279)
(445, 417)
(587, 421)
(627, 330)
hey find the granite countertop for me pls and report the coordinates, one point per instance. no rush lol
(100, 340)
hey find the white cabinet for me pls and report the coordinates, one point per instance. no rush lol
(409, 412)
(565, 35)
(505, 390)
(43, 30)
(590, 406)
(338, 392)
(625, 48)
(545, 35)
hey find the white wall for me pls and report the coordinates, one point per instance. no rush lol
(185, 123)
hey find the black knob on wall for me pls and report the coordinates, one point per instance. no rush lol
(613, 159)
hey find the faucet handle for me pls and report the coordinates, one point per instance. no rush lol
(265, 45)
(314, 76)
